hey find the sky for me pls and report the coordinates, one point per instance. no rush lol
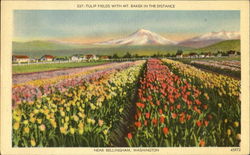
(96, 25)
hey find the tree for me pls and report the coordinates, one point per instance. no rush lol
(127, 55)
(115, 56)
(168, 55)
(231, 52)
(179, 52)
(192, 53)
(136, 56)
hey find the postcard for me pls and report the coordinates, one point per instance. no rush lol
(128, 77)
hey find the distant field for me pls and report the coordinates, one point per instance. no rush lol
(47, 67)
(188, 60)
(234, 74)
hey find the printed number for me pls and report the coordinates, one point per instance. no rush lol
(235, 149)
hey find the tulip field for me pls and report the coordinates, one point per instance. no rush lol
(146, 103)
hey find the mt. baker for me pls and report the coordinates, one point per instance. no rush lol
(140, 37)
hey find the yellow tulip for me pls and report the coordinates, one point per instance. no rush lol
(39, 121)
(225, 120)
(238, 136)
(33, 142)
(66, 118)
(80, 131)
(25, 122)
(75, 118)
(105, 132)
(16, 126)
(32, 120)
(42, 127)
(228, 132)
(236, 124)
(26, 130)
(80, 125)
(219, 105)
(63, 130)
(72, 131)
(62, 113)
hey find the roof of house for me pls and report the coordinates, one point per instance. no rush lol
(104, 57)
(21, 56)
(89, 56)
(48, 56)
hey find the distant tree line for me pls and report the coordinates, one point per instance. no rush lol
(160, 55)
(222, 53)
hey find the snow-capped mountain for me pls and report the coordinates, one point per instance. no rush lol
(209, 38)
(140, 37)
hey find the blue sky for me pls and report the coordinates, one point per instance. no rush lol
(99, 23)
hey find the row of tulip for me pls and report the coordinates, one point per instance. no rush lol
(84, 114)
(220, 84)
(231, 63)
(224, 100)
(52, 76)
(178, 109)
(219, 65)
(229, 68)
(32, 90)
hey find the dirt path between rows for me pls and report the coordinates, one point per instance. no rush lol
(25, 77)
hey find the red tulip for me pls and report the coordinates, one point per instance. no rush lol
(210, 117)
(147, 115)
(162, 119)
(171, 100)
(129, 136)
(140, 105)
(172, 108)
(150, 98)
(206, 123)
(202, 143)
(165, 130)
(139, 113)
(160, 111)
(198, 123)
(197, 102)
(178, 106)
(158, 102)
(136, 117)
(174, 115)
(205, 106)
(154, 121)
(196, 95)
(138, 124)
(165, 107)
(197, 110)
(182, 119)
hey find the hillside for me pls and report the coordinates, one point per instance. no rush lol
(221, 46)
(120, 50)
(38, 45)
(210, 38)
